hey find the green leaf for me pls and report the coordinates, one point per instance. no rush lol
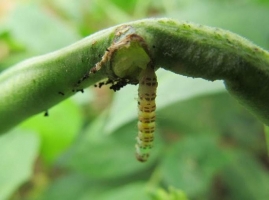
(213, 114)
(132, 191)
(108, 156)
(57, 130)
(248, 18)
(38, 30)
(172, 194)
(115, 13)
(191, 164)
(71, 9)
(246, 178)
(18, 151)
(76, 186)
(69, 187)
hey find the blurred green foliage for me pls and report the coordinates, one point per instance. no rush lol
(207, 146)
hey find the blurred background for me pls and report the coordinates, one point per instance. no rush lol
(207, 146)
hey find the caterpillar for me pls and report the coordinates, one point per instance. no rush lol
(146, 113)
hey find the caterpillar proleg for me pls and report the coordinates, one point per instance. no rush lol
(146, 113)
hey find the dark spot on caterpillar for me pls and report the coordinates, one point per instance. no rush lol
(61, 93)
(107, 49)
(46, 114)
(150, 120)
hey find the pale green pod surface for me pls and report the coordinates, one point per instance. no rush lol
(213, 54)
(37, 84)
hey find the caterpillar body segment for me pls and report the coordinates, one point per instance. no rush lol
(146, 113)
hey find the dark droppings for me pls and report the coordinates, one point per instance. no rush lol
(115, 85)
(46, 114)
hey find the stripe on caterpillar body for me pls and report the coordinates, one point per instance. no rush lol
(146, 113)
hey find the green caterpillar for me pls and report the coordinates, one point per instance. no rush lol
(146, 113)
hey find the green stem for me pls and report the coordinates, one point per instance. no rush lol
(37, 84)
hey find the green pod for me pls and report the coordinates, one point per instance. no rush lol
(37, 84)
